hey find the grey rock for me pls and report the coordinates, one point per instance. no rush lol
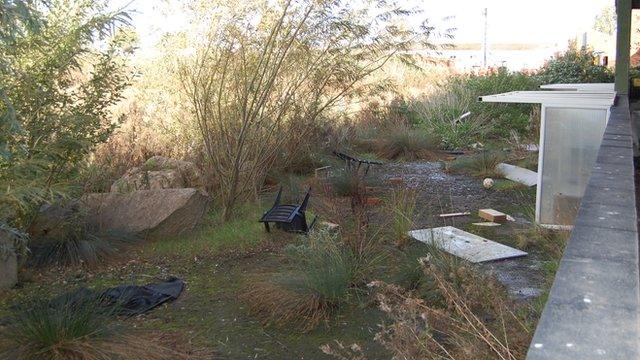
(159, 173)
(151, 214)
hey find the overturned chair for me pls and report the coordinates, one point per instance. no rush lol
(288, 217)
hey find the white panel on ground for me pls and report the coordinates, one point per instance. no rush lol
(518, 174)
(465, 245)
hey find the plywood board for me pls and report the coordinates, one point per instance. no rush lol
(492, 215)
(518, 174)
(465, 245)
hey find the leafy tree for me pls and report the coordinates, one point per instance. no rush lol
(63, 64)
(269, 70)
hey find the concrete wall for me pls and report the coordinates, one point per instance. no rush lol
(592, 309)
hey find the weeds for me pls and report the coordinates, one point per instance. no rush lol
(346, 183)
(473, 321)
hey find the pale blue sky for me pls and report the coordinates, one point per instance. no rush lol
(540, 21)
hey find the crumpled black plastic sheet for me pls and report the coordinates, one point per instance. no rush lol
(129, 300)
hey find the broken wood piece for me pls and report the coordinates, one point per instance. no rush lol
(324, 171)
(468, 246)
(396, 181)
(518, 174)
(466, 213)
(492, 215)
(486, 224)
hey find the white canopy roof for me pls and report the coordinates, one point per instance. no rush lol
(567, 98)
(594, 87)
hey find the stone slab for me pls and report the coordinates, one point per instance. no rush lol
(465, 245)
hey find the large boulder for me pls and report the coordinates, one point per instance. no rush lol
(8, 261)
(151, 214)
(159, 173)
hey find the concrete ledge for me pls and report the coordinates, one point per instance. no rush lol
(592, 309)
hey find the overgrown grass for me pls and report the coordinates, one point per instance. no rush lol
(241, 233)
(347, 183)
(439, 111)
(407, 143)
(481, 165)
(464, 314)
(73, 329)
(319, 281)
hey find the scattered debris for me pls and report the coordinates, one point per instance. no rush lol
(322, 172)
(485, 224)
(487, 183)
(329, 226)
(397, 181)
(511, 218)
(492, 215)
(466, 213)
(465, 245)
(518, 174)
(462, 117)
(372, 201)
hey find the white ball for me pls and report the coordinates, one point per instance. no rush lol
(487, 183)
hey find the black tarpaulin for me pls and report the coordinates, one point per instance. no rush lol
(129, 300)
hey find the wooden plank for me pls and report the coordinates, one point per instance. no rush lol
(486, 224)
(466, 213)
(492, 215)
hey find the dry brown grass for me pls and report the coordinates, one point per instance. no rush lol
(276, 304)
(126, 347)
(475, 321)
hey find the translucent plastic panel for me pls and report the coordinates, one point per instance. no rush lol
(572, 138)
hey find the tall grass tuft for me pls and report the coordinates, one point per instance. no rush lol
(318, 282)
(480, 165)
(401, 207)
(407, 143)
(73, 329)
(79, 248)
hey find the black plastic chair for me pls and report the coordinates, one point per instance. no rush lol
(288, 217)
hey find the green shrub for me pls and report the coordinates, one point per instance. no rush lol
(481, 165)
(575, 66)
